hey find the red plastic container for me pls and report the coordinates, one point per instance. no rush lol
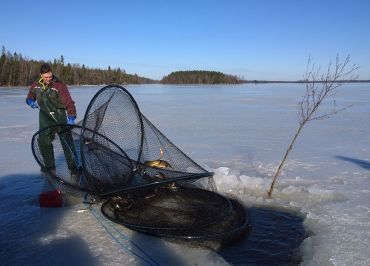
(51, 199)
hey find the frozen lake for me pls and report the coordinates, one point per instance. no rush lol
(319, 213)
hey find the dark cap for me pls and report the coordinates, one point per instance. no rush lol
(45, 68)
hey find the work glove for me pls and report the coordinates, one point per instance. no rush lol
(71, 120)
(32, 103)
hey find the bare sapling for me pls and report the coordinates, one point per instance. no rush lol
(320, 87)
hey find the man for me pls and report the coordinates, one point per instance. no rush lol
(56, 106)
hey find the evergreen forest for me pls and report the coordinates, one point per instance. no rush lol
(200, 77)
(17, 70)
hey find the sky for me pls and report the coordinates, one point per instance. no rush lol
(252, 39)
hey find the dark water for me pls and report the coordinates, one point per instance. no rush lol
(274, 239)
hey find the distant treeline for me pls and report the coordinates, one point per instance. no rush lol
(200, 77)
(16, 70)
(308, 81)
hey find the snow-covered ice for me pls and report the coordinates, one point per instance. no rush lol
(238, 132)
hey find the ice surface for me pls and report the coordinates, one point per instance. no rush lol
(240, 133)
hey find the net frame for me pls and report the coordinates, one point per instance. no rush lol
(66, 183)
(98, 125)
(144, 127)
(229, 224)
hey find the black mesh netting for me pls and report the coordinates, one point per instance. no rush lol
(146, 183)
(151, 157)
(187, 213)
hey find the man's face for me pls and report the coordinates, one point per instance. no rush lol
(47, 77)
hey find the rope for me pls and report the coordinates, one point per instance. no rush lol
(108, 226)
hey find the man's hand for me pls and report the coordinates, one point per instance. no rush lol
(71, 120)
(32, 103)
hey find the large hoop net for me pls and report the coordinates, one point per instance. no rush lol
(146, 183)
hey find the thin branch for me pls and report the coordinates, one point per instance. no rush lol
(319, 87)
(327, 115)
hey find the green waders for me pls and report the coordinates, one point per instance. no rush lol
(46, 137)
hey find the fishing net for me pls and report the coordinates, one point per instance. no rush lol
(199, 216)
(145, 182)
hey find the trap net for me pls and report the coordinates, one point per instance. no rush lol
(151, 157)
(144, 181)
(199, 216)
